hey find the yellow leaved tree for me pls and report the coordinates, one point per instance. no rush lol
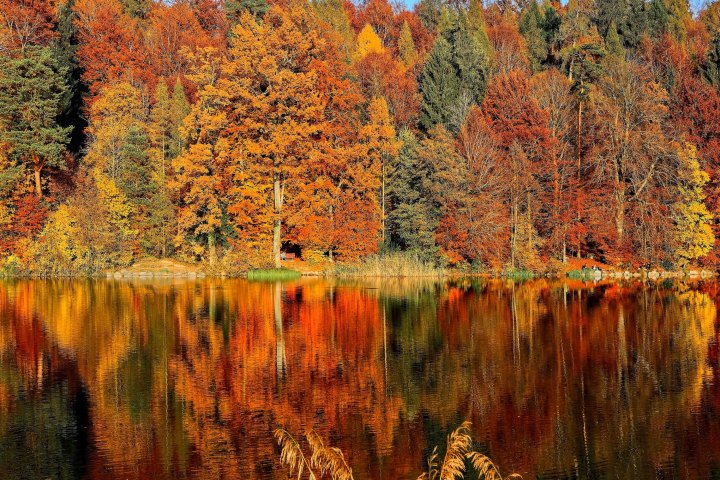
(693, 234)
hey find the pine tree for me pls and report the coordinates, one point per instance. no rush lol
(32, 92)
(613, 43)
(235, 8)
(678, 13)
(410, 222)
(439, 84)
(455, 74)
(657, 18)
(531, 22)
(710, 68)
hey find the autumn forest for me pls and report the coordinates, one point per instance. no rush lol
(496, 136)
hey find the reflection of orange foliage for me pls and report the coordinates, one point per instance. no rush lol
(189, 379)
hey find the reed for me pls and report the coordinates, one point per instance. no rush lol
(394, 264)
(273, 274)
(329, 461)
(323, 460)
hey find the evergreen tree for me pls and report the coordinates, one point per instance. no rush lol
(136, 8)
(135, 174)
(439, 84)
(657, 18)
(609, 12)
(531, 23)
(678, 13)
(65, 46)
(455, 75)
(710, 68)
(410, 222)
(33, 89)
(634, 25)
(234, 9)
(429, 13)
(613, 44)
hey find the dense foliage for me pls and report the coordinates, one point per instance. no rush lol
(505, 135)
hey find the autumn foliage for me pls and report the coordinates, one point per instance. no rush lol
(230, 132)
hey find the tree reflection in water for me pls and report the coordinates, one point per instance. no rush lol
(177, 379)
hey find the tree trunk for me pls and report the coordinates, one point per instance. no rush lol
(211, 248)
(579, 173)
(37, 167)
(277, 194)
(383, 202)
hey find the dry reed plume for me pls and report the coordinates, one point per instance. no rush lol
(330, 461)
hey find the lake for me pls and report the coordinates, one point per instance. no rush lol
(113, 379)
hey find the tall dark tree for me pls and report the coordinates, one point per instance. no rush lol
(33, 89)
(410, 220)
(455, 74)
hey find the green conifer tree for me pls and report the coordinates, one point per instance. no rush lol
(33, 90)
(613, 44)
(439, 84)
(410, 222)
(531, 23)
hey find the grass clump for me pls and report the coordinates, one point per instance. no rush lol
(518, 274)
(393, 264)
(273, 274)
(324, 461)
(581, 274)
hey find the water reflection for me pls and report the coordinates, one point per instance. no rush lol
(175, 379)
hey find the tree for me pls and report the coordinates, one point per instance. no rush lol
(658, 18)
(406, 47)
(32, 90)
(531, 22)
(333, 13)
(160, 127)
(198, 182)
(710, 68)
(410, 223)
(455, 75)
(235, 8)
(378, 136)
(26, 23)
(678, 14)
(634, 156)
(439, 85)
(368, 42)
(287, 98)
(693, 235)
(521, 126)
(110, 45)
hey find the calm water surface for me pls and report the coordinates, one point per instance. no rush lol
(187, 379)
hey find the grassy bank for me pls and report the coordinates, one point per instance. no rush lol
(273, 274)
(390, 265)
